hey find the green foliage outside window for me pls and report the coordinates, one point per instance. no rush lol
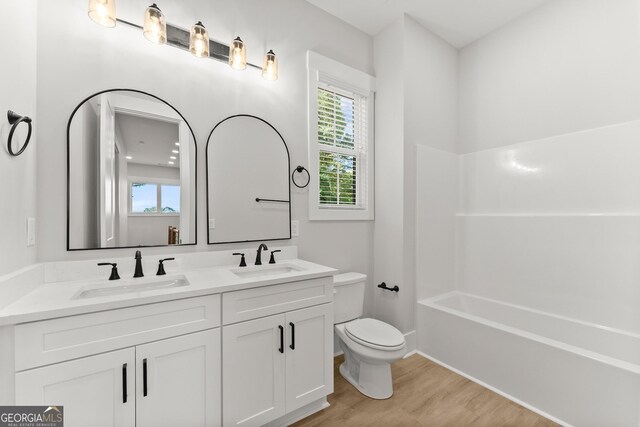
(337, 171)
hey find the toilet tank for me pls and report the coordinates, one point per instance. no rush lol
(348, 296)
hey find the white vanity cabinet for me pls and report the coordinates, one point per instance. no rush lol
(91, 389)
(254, 356)
(158, 382)
(277, 364)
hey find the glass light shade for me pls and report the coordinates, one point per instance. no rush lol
(237, 54)
(103, 12)
(270, 66)
(155, 25)
(199, 41)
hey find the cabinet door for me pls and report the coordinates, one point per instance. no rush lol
(253, 371)
(95, 391)
(178, 381)
(309, 355)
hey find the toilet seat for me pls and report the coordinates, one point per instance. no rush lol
(373, 333)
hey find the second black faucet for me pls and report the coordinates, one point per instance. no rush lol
(259, 253)
(138, 272)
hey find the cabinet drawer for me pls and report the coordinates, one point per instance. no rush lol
(56, 340)
(249, 304)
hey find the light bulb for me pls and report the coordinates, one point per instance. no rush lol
(155, 25)
(103, 12)
(199, 41)
(237, 54)
(270, 66)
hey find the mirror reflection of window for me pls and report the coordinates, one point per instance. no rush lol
(139, 154)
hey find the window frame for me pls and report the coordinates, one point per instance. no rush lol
(158, 182)
(324, 72)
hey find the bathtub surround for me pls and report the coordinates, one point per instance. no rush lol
(548, 216)
(18, 191)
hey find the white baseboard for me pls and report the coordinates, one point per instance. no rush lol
(410, 338)
(493, 389)
(299, 414)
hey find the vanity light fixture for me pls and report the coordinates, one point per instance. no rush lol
(155, 25)
(270, 67)
(103, 12)
(156, 29)
(237, 54)
(199, 41)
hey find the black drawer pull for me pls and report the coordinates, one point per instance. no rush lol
(293, 336)
(144, 377)
(281, 349)
(124, 383)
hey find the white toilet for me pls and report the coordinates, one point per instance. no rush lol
(370, 346)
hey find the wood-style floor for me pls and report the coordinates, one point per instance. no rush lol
(425, 394)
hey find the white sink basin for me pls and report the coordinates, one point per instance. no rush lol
(130, 286)
(266, 270)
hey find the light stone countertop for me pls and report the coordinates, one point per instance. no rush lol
(51, 300)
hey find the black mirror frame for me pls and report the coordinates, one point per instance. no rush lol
(195, 172)
(207, 178)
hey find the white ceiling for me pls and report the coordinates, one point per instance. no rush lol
(149, 141)
(460, 22)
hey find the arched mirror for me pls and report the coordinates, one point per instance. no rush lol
(131, 169)
(248, 188)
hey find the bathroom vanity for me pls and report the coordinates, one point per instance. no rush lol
(201, 346)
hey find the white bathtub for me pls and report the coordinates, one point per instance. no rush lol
(573, 372)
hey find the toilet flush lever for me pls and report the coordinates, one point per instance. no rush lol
(384, 286)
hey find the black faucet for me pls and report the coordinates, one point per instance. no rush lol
(114, 270)
(138, 272)
(161, 271)
(272, 260)
(259, 254)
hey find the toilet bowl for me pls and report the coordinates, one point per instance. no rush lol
(370, 346)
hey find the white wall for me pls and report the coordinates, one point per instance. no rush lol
(18, 93)
(549, 185)
(567, 66)
(393, 308)
(416, 107)
(77, 58)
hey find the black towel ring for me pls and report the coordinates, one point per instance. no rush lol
(14, 121)
(300, 169)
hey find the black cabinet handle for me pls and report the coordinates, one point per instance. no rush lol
(124, 383)
(281, 349)
(293, 336)
(144, 377)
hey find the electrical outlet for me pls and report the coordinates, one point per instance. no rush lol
(295, 228)
(31, 231)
